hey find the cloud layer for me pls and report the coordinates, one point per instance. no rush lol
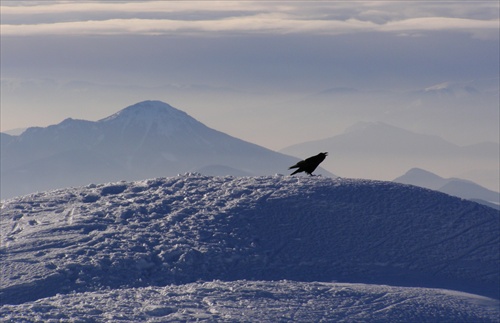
(165, 17)
(273, 73)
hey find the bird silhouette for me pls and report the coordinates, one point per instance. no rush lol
(309, 165)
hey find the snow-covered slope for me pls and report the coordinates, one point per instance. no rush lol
(235, 249)
(259, 301)
(453, 186)
(145, 140)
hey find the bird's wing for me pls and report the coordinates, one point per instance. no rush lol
(299, 164)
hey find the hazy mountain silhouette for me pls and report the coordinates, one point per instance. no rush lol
(147, 139)
(452, 186)
(381, 151)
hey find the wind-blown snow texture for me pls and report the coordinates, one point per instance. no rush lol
(249, 249)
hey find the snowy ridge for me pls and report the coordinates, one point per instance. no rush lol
(244, 243)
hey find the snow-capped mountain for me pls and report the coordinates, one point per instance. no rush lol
(378, 150)
(453, 186)
(145, 140)
(450, 89)
(227, 249)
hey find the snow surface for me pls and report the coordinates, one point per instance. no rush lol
(267, 249)
(260, 301)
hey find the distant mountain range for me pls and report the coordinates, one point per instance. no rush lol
(452, 186)
(378, 150)
(14, 132)
(460, 111)
(145, 140)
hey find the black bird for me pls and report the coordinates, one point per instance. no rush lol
(309, 165)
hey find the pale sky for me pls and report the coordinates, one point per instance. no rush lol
(256, 70)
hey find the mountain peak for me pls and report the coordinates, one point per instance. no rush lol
(158, 115)
(374, 126)
(422, 173)
(360, 126)
(438, 87)
(144, 140)
(452, 89)
(453, 186)
(422, 178)
(146, 109)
